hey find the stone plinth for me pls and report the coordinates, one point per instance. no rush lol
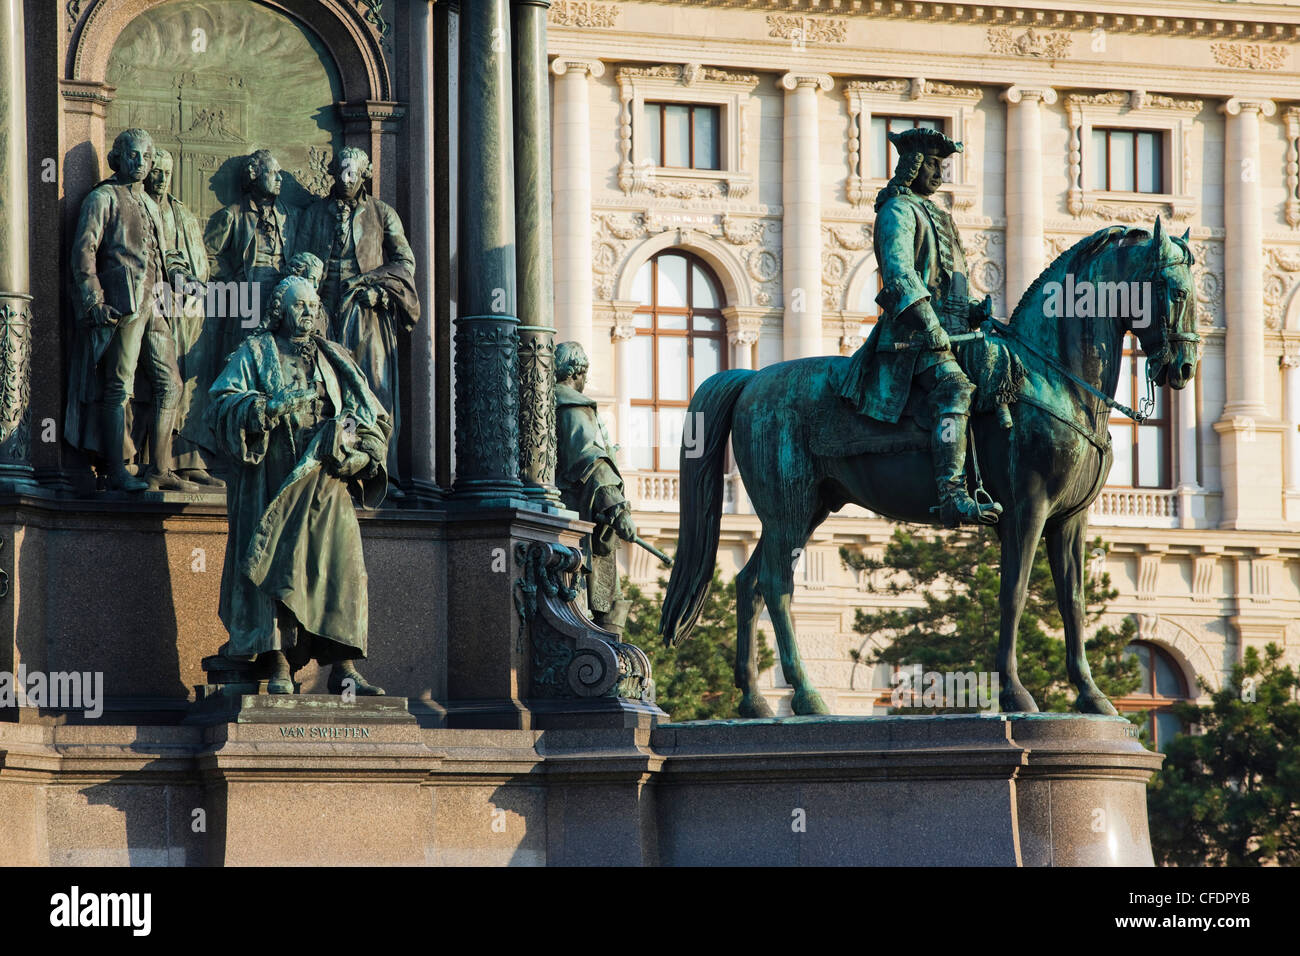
(1008, 790)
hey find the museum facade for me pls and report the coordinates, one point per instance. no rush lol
(715, 168)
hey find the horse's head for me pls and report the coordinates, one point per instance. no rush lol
(1169, 336)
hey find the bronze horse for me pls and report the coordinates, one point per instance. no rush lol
(1046, 470)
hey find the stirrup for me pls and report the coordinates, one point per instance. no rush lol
(962, 509)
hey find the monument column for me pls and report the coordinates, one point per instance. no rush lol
(1024, 187)
(1249, 439)
(487, 334)
(537, 453)
(423, 214)
(16, 472)
(573, 199)
(801, 227)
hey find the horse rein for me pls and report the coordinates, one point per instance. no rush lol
(1146, 405)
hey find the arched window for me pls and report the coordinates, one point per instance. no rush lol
(1142, 452)
(1162, 686)
(680, 341)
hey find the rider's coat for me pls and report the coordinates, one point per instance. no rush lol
(920, 258)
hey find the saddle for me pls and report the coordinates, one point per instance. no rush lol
(837, 430)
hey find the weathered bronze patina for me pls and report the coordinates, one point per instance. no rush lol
(368, 289)
(803, 452)
(590, 484)
(303, 431)
(923, 300)
(121, 277)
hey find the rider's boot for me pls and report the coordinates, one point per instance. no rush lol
(948, 452)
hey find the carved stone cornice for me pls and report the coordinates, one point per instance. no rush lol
(803, 30)
(581, 13)
(1216, 24)
(1052, 45)
(1249, 56)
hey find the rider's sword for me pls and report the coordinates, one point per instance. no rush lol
(961, 337)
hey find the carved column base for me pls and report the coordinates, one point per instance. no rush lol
(16, 472)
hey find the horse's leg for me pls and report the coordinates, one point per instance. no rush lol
(1019, 531)
(1065, 551)
(748, 605)
(780, 553)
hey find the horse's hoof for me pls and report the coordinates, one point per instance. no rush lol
(755, 705)
(1016, 700)
(1095, 702)
(809, 702)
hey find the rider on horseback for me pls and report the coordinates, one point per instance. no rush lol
(923, 301)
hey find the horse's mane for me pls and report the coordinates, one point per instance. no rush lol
(1070, 260)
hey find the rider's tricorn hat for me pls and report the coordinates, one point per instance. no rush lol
(923, 140)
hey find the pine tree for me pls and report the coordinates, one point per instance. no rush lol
(1230, 796)
(956, 626)
(695, 680)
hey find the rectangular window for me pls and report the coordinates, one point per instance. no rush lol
(884, 157)
(682, 135)
(1127, 160)
(1141, 452)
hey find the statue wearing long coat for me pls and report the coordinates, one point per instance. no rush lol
(379, 257)
(294, 538)
(920, 257)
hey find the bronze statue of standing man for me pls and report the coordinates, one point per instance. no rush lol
(122, 283)
(368, 290)
(923, 300)
(195, 339)
(590, 484)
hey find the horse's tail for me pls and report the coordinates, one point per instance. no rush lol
(700, 497)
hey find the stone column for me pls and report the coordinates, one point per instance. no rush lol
(801, 227)
(1024, 187)
(1290, 362)
(446, 46)
(487, 334)
(532, 104)
(573, 199)
(15, 268)
(1191, 501)
(1249, 439)
(423, 212)
(623, 332)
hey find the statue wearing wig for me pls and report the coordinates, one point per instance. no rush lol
(303, 432)
(923, 300)
(368, 286)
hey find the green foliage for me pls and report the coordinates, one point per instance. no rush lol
(696, 679)
(956, 626)
(1230, 796)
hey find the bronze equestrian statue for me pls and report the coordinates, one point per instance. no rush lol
(803, 451)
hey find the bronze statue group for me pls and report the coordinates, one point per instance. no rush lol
(286, 384)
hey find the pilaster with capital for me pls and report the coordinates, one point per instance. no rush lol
(744, 324)
(1289, 362)
(802, 225)
(623, 332)
(1024, 187)
(572, 203)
